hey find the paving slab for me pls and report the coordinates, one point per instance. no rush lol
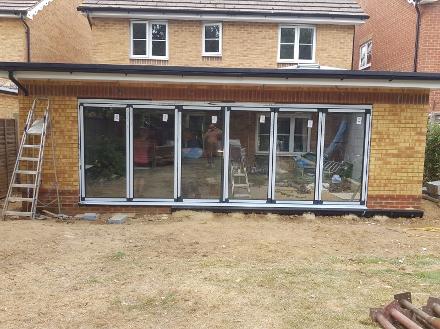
(118, 219)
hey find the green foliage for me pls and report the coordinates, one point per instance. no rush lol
(109, 158)
(432, 155)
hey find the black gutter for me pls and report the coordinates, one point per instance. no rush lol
(367, 213)
(17, 13)
(228, 12)
(416, 47)
(18, 84)
(28, 37)
(8, 92)
(217, 72)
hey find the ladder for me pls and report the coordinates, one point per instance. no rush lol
(240, 182)
(26, 177)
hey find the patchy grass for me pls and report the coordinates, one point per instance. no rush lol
(204, 270)
(119, 255)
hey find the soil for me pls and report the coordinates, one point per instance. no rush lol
(204, 270)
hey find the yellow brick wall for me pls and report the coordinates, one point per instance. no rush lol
(12, 40)
(8, 106)
(64, 114)
(334, 45)
(244, 44)
(59, 33)
(396, 163)
(397, 149)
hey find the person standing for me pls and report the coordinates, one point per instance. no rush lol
(212, 140)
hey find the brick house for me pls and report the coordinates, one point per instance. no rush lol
(222, 105)
(40, 31)
(390, 41)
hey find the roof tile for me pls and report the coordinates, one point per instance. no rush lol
(292, 7)
(13, 6)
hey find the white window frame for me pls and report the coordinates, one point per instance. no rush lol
(291, 151)
(220, 41)
(296, 58)
(149, 40)
(361, 54)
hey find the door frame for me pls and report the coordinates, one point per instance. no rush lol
(178, 178)
(226, 109)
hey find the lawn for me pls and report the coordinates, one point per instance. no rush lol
(204, 270)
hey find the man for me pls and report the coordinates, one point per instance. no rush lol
(212, 139)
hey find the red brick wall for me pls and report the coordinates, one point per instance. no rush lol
(429, 48)
(392, 28)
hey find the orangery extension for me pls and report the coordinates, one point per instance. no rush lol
(287, 140)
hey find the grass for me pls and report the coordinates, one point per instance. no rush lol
(235, 271)
(119, 255)
(152, 304)
(432, 277)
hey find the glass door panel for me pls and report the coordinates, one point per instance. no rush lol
(343, 156)
(297, 135)
(153, 153)
(249, 146)
(201, 154)
(105, 152)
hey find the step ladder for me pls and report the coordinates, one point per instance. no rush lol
(26, 177)
(240, 181)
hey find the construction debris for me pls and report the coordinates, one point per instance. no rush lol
(118, 219)
(57, 216)
(433, 189)
(401, 313)
(89, 216)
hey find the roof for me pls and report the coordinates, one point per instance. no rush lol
(321, 8)
(209, 75)
(22, 7)
(7, 87)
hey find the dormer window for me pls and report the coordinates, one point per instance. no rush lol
(149, 40)
(212, 39)
(297, 44)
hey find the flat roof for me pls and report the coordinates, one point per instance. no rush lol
(213, 75)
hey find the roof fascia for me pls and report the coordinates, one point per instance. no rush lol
(15, 14)
(235, 80)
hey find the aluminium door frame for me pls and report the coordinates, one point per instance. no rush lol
(298, 110)
(195, 108)
(258, 108)
(322, 109)
(81, 144)
(367, 111)
(164, 107)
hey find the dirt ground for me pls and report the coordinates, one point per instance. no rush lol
(203, 270)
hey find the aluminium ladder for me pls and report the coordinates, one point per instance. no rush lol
(26, 177)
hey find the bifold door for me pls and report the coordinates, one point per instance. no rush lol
(104, 152)
(248, 154)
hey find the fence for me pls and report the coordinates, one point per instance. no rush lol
(8, 152)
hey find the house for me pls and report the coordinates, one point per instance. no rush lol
(8, 99)
(40, 31)
(409, 41)
(229, 105)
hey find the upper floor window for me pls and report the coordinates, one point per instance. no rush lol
(365, 55)
(293, 134)
(212, 39)
(297, 44)
(149, 40)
